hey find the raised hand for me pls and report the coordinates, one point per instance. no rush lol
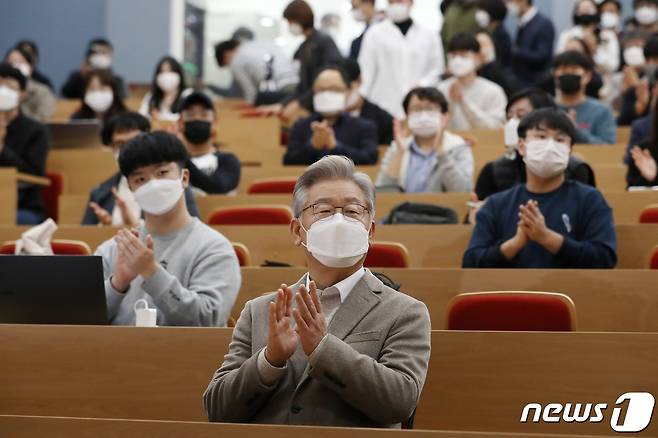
(311, 322)
(282, 339)
(104, 217)
(645, 163)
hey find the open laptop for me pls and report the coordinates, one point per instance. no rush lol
(52, 290)
(74, 135)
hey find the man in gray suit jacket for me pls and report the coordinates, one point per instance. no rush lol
(338, 348)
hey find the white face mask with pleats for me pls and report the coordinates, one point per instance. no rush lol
(159, 196)
(546, 158)
(99, 101)
(9, 98)
(337, 242)
(168, 80)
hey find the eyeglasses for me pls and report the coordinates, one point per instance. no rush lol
(323, 210)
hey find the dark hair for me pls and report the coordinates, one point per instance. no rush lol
(128, 121)
(223, 48)
(24, 53)
(538, 99)
(426, 93)
(8, 71)
(463, 42)
(352, 69)
(614, 2)
(157, 94)
(573, 58)
(651, 47)
(636, 3)
(97, 42)
(151, 148)
(197, 98)
(299, 12)
(243, 33)
(495, 8)
(30, 46)
(551, 118)
(107, 78)
(334, 67)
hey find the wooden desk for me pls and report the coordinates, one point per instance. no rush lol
(61, 427)
(476, 380)
(430, 246)
(251, 139)
(8, 196)
(606, 300)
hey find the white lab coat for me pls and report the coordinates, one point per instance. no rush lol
(393, 63)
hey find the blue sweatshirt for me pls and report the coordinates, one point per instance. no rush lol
(595, 122)
(578, 212)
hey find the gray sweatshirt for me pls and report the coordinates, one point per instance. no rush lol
(196, 283)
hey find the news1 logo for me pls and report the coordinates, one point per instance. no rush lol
(633, 416)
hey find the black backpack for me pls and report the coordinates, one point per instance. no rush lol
(416, 213)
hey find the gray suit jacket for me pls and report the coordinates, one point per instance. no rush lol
(369, 372)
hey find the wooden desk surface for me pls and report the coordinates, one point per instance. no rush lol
(476, 380)
(8, 196)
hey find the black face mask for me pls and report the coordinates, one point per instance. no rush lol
(569, 83)
(585, 19)
(197, 131)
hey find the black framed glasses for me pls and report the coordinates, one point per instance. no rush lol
(324, 210)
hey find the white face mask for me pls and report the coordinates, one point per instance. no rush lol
(511, 135)
(168, 81)
(425, 123)
(646, 15)
(461, 66)
(24, 68)
(329, 102)
(634, 56)
(159, 196)
(100, 60)
(609, 20)
(337, 242)
(99, 101)
(358, 15)
(398, 12)
(482, 18)
(9, 98)
(296, 29)
(546, 158)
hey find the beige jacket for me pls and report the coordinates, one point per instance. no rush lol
(39, 103)
(369, 372)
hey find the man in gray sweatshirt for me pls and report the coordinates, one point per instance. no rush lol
(182, 267)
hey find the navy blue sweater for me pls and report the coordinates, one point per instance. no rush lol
(578, 212)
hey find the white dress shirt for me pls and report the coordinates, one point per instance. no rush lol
(330, 299)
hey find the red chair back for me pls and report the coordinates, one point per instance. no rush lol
(59, 246)
(512, 311)
(649, 215)
(653, 259)
(51, 193)
(387, 255)
(284, 186)
(251, 215)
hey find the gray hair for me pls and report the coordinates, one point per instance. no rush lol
(331, 167)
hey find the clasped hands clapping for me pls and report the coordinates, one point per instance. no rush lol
(309, 329)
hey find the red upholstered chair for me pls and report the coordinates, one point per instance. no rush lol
(244, 257)
(512, 311)
(653, 258)
(251, 215)
(50, 194)
(283, 186)
(649, 215)
(387, 255)
(60, 247)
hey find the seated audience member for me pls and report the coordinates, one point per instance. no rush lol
(265, 74)
(338, 346)
(489, 67)
(432, 159)
(359, 106)
(490, 17)
(39, 101)
(98, 57)
(595, 123)
(112, 201)
(24, 144)
(101, 100)
(167, 88)
(475, 102)
(610, 12)
(642, 169)
(509, 169)
(330, 129)
(638, 77)
(549, 222)
(645, 17)
(32, 48)
(185, 269)
(641, 128)
(211, 171)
